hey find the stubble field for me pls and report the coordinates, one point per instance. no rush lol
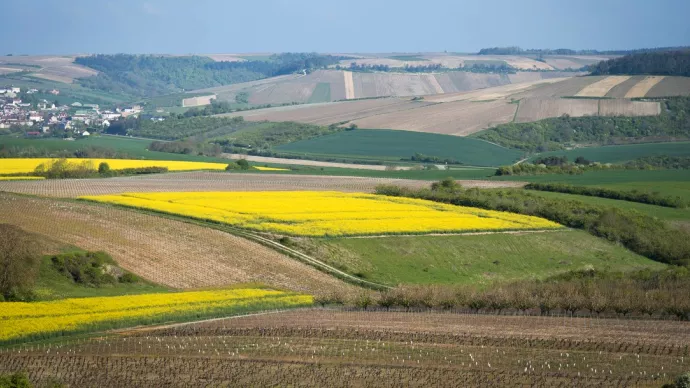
(318, 347)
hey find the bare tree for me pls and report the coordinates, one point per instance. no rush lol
(19, 261)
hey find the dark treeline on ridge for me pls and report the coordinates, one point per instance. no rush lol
(649, 63)
(514, 50)
(153, 75)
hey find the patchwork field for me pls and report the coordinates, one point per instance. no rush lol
(464, 113)
(326, 347)
(308, 213)
(162, 250)
(625, 152)
(54, 68)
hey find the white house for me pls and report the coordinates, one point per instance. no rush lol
(16, 90)
(105, 123)
(85, 133)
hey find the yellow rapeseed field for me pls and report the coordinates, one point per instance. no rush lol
(21, 319)
(270, 168)
(309, 213)
(27, 165)
(21, 178)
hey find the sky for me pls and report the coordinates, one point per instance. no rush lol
(355, 26)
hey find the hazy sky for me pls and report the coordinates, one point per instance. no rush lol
(230, 26)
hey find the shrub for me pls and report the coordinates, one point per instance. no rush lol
(85, 268)
(19, 263)
(103, 168)
(128, 278)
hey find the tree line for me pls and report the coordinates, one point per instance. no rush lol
(648, 63)
(644, 293)
(514, 50)
(652, 198)
(154, 75)
(641, 234)
(558, 133)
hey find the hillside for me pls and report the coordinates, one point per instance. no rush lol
(464, 113)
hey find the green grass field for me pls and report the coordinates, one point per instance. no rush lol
(478, 259)
(487, 62)
(623, 153)
(669, 182)
(387, 145)
(322, 93)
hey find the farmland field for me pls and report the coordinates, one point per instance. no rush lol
(624, 153)
(473, 259)
(394, 145)
(307, 213)
(28, 165)
(325, 347)
(602, 87)
(25, 321)
(162, 250)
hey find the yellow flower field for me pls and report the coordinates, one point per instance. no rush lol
(21, 319)
(21, 178)
(309, 213)
(27, 165)
(270, 168)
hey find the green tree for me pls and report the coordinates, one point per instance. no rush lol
(103, 168)
(243, 164)
(19, 262)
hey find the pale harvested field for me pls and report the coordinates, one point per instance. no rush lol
(620, 107)
(198, 101)
(671, 86)
(563, 88)
(562, 62)
(643, 87)
(459, 118)
(600, 88)
(168, 252)
(209, 181)
(499, 92)
(282, 92)
(393, 84)
(533, 109)
(330, 113)
(8, 70)
(225, 57)
(316, 163)
(56, 68)
(349, 85)
(620, 90)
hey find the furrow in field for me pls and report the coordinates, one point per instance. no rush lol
(349, 85)
(641, 88)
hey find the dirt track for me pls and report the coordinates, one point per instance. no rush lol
(303, 162)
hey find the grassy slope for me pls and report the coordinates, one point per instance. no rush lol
(624, 153)
(394, 145)
(476, 259)
(322, 93)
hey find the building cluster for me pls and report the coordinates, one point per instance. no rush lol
(42, 116)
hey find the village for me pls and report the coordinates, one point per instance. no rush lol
(22, 113)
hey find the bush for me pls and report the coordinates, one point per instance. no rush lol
(64, 169)
(103, 168)
(243, 164)
(85, 268)
(16, 380)
(129, 278)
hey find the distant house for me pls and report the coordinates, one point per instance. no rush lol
(105, 123)
(77, 104)
(85, 133)
(55, 92)
(16, 90)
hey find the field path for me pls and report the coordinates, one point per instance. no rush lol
(349, 85)
(468, 233)
(601, 87)
(643, 87)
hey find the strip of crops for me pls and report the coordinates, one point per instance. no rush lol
(26, 321)
(631, 196)
(302, 213)
(28, 165)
